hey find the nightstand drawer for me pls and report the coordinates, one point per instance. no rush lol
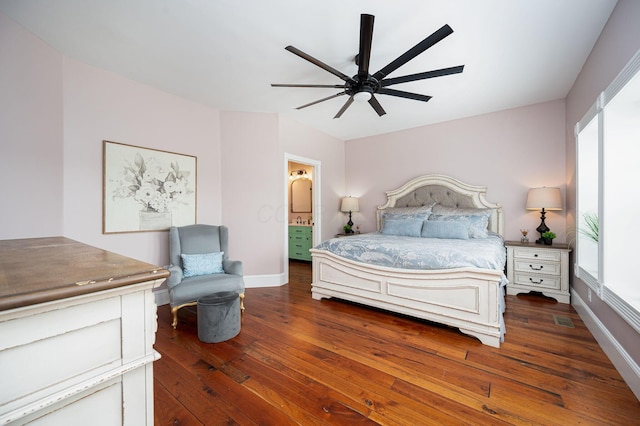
(534, 267)
(540, 254)
(542, 281)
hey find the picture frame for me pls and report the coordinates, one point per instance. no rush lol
(146, 189)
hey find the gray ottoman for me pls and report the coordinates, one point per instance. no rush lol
(218, 317)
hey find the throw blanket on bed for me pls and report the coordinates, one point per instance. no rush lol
(420, 253)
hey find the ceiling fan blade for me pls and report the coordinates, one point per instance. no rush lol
(322, 100)
(402, 94)
(376, 106)
(366, 38)
(330, 86)
(315, 61)
(422, 76)
(434, 38)
(344, 107)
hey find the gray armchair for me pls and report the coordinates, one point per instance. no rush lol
(193, 240)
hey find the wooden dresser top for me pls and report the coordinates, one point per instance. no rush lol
(37, 270)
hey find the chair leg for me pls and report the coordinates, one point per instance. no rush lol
(241, 303)
(174, 311)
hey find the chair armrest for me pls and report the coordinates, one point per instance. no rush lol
(232, 267)
(176, 276)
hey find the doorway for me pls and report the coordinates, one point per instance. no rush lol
(302, 201)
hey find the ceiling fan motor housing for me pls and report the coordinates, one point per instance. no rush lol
(370, 85)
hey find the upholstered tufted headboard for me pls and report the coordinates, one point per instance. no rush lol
(444, 190)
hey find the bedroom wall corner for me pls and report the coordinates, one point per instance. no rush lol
(251, 190)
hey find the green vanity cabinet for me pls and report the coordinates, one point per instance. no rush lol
(300, 241)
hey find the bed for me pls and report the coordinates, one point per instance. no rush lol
(467, 296)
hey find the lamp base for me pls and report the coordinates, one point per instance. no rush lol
(542, 228)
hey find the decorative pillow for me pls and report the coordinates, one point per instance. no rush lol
(460, 211)
(405, 227)
(420, 212)
(201, 264)
(479, 218)
(409, 211)
(451, 229)
(477, 224)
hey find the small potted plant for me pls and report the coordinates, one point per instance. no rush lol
(547, 237)
(347, 229)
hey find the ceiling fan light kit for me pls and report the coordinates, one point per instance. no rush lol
(364, 86)
(362, 96)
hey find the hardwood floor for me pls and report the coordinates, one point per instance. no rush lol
(302, 361)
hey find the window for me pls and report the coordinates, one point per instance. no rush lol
(608, 194)
(588, 215)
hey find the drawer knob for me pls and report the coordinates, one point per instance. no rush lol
(536, 282)
(536, 269)
(535, 255)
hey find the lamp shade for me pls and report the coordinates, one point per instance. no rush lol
(544, 198)
(350, 204)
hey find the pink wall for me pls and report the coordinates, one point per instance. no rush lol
(251, 207)
(101, 105)
(299, 140)
(507, 151)
(31, 166)
(55, 113)
(617, 44)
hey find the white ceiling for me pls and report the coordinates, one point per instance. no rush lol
(226, 53)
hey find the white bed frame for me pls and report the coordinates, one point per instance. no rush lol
(469, 299)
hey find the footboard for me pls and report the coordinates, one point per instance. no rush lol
(470, 299)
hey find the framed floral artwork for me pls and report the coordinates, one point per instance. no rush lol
(146, 189)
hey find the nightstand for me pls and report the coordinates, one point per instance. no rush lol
(538, 267)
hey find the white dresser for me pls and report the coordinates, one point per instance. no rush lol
(538, 267)
(77, 327)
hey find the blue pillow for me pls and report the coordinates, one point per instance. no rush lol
(457, 230)
(409, 211)
(201, 264)
(421, 212)
(405, 227)
(477, 224)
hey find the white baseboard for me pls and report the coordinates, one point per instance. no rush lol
(255, 281)
(250, 281)
(626, 366)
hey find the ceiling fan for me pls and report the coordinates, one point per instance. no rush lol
(364, 86)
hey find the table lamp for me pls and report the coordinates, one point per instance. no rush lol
(541, 199)
(349, 204)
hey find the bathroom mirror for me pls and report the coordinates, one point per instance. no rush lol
(301, 196)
